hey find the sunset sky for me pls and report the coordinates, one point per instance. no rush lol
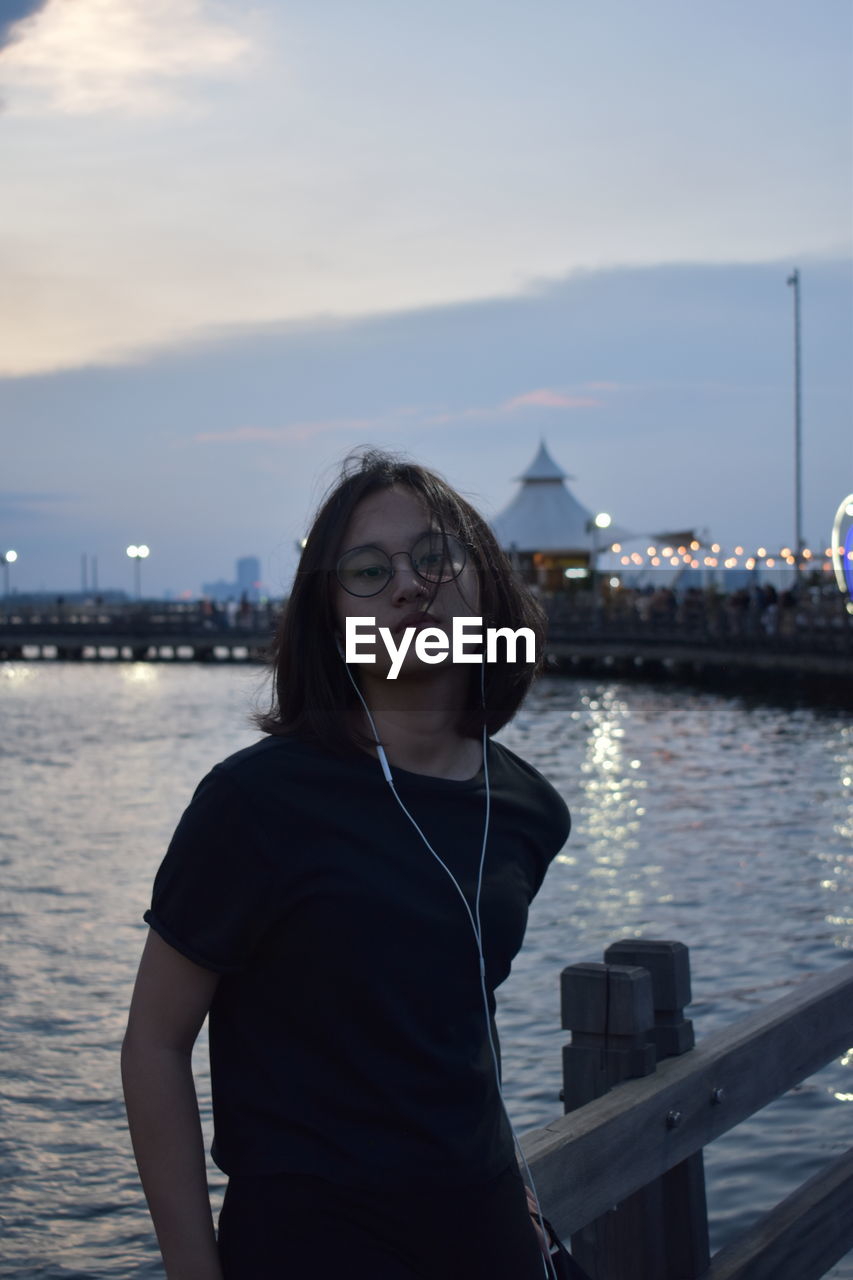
(239, 240)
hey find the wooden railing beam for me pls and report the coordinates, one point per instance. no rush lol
(586, 1162)
(801, 1238)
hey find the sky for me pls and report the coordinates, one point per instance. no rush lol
(240, 240)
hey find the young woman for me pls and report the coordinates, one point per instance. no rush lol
(342, 899)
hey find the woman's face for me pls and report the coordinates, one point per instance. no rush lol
(393, 520)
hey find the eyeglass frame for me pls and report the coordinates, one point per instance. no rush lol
(430, 582)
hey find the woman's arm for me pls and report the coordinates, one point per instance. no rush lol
(170, 1001)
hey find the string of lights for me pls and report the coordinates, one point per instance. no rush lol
(695, 555)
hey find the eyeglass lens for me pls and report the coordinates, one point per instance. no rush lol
(435, 558)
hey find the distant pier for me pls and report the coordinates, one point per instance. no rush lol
(808, 645)
(151, 632)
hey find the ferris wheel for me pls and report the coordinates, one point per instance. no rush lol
(842, 548)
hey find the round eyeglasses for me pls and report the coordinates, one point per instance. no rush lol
(435, 558)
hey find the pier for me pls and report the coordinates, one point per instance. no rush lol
(622, 1173)
(153, 631)
(726, 641)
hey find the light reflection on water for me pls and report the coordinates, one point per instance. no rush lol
(696, 817)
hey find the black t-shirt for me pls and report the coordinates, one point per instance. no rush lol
(347, 1034)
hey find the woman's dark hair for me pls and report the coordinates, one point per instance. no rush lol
(311, 688)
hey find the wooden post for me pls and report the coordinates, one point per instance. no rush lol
(609, 1010)
(668, 964)
(661, 1232)
(679, 1196)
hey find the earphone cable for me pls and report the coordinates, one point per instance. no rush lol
(476, 926)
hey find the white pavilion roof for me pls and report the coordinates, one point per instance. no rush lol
(544, 515)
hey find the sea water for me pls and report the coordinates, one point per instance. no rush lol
(724, 823)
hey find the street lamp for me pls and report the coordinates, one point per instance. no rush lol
(136, 554)
(7, 558)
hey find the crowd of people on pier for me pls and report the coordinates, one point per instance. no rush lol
(760, 610)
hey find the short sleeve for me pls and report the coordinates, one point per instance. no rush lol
(215, 895)
(556, 827)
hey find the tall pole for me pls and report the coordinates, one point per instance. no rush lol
(136, 554)
(794, 280)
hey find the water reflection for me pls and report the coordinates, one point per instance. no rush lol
(140, 672)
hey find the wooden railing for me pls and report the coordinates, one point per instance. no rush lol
(642, 1102)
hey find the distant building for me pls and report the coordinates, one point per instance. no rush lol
(248, 581)
(249, 576)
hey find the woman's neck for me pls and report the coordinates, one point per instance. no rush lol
(416, 723)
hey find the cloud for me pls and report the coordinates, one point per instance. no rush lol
(418, 417)
(80, 57)
(17, 506)
(694, 434)
(297, 432)
(13, 12)
(542, 398)
(545, 398)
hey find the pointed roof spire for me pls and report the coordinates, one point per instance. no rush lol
(543, 467)
(544, 515)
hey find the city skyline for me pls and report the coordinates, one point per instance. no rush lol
(233, 255)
